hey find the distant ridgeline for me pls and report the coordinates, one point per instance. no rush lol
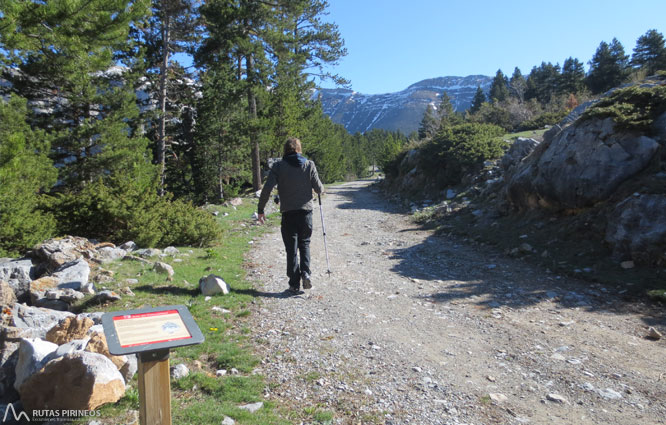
(402, 110)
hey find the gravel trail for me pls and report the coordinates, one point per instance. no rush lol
(413, 328)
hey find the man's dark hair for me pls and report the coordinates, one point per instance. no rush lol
(292, 145)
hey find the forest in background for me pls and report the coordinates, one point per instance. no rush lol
(456, 143)
(104, 135)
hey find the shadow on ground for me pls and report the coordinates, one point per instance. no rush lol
(482, 275)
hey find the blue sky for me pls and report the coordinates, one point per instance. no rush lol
(394, 43)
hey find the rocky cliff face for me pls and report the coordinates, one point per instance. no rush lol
(398, 111)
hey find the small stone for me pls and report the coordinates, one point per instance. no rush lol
(491, 378)
(557, 398)
(367, 392)
(228, 421)
(164, 268)
(234, 371)
(221, 372)
(107, 296)
(497, 397)
(253, 407)
(609, 394)
(627, 265)
(179, 371)
(654, 334)
(417, 369)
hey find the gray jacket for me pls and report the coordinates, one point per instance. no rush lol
(295, 185)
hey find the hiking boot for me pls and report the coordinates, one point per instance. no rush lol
(305, 280)
(293, 291)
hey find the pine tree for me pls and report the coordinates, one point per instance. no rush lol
(25, 173)
(446, 112)
(650, 52)
(608, 67)
(62, 53)
(479, 99)
(517, 85)
(572, 79)
(171, 28)
(429, 123)
(543, 82)
(499, 88)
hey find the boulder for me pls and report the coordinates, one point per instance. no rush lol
(163, 268)
(107, 254)
(75, 275)
(68, 348)
(97, 344)
(68, 329)
(8, 360)
(171, 251)
(212, 284)
(18, 274)
(129, 246)
(7, 295)
(128, 370)
(60, 251)
(147, 253)
(519, 149)
(76, 381)
(31, 353)
(582, 165)
(107, 296)
(39, 320)
(636, 228)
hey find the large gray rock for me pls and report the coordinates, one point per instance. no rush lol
(519, 149)
(32, 353)
(108, 254)
(211, 285)
(38, 320)
(60, 251)
(76, 381)
(582, 165)
(74, 275)
(18, 274)
(637, 228)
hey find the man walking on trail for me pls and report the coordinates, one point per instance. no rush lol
(296, 177)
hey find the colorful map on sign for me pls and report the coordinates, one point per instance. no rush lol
(150, 328)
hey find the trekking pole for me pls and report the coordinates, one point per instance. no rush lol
(321, 213)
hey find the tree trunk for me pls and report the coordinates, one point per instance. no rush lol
(161, 138)
(254, 136)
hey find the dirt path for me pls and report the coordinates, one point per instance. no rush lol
(420, 329)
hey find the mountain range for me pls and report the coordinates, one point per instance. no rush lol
(402, 110)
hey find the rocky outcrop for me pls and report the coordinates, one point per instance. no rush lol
(18, 274)
(637, 228)
(584, 164)
(69, 329)
(76, 381)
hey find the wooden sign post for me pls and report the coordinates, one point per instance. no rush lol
(150, 333)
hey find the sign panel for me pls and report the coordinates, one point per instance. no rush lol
(150, 329)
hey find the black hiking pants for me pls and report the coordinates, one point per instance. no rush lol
(296, 231)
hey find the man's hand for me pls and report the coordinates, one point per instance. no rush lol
(261, 218)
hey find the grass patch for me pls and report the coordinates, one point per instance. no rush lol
(201, 397)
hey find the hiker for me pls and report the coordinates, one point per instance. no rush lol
(295, 177)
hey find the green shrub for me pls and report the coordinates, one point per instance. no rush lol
(631, 108)
(459, 149)
(126, 208)
(25, 171)
(547, 118)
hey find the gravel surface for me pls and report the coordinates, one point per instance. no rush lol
(413, 328)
